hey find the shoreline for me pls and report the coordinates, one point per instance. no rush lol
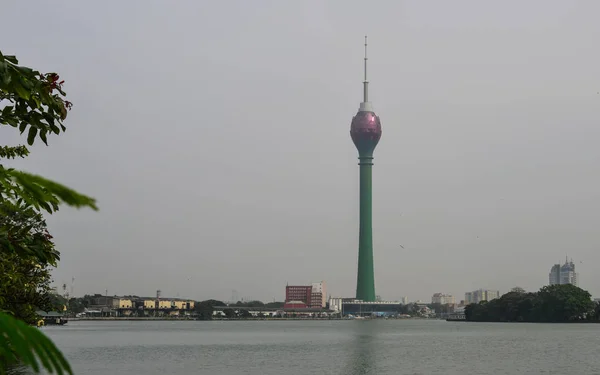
(150, 318)
(569, 322)
(187, 319)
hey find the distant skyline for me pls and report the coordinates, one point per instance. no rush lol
(214, 136)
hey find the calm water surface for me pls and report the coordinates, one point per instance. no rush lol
(328, 347)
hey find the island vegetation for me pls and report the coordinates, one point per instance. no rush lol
(34, 104)
(551, 304)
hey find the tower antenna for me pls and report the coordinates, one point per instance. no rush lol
(365, 106)
(365, 82)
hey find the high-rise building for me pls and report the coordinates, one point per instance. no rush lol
(318, 297)
(298, 293)
(365, 131)
(564, 274)
(312, 296)
(443, 299)
(481, 295)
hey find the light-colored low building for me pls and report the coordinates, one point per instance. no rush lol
(181, 304)
(122, 303)
(113, 302)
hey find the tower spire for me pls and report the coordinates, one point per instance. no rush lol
(365, 82)
(365, 105)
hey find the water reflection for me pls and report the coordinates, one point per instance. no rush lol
(362, 354)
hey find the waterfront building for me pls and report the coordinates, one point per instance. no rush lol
(443, 299)
(371, 308)
(113, 302)
(335, 303)
(312, 296)
(318, 295)
(295, 305)
(564, 274)
(481, 295)
(147, 303)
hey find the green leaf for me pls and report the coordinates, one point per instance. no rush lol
(7, 110)
(23, 344)
(22, 127)
(37, 190)
(25, 70)
(43, 136)
(38, 101)
(12, 122)
(11, 58)
(54, 128)
(6, 77)
(21, 91)
(31, 136)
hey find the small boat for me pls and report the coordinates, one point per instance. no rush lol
(51, 318)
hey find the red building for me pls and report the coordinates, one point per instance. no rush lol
(295, 294)
(312, 296)
(294, 305)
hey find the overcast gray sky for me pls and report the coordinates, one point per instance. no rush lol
(215, 136)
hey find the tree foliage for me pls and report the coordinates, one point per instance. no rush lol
(26, 345)
(248, 304)
(56, 302)
(518, 289)
(35, 100)
(275, 305)
(33, 103)
(28, 254)
(205, 308)
(554, 303)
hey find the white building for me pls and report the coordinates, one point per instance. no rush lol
(564, 274)
(319, 292)
(443, 299)
(335, 304)
(477, 296)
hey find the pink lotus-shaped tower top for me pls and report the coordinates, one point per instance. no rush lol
(365, 129)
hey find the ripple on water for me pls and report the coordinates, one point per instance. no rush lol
(329, 347)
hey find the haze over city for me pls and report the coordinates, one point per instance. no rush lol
(215, 136)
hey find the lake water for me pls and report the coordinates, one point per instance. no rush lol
(328, 347)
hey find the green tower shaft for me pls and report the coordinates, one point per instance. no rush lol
(365, 283)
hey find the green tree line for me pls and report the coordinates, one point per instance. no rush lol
(551, 304)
